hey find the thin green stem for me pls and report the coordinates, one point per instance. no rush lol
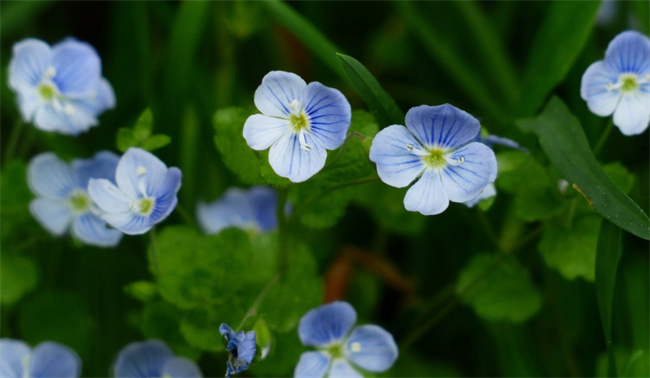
(487, 227)
(252, 311)
(604, 136)
(283, 234)
(152, 250)
(183, 213)
(13, 141)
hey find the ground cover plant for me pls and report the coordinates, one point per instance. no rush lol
(310, 189)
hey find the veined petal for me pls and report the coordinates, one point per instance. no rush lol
(31, 58)
(629, 52)
(396, 165)
(289, 160)
(12, 355)
(90, 229)
(128, 222)
(489, 192)
(53, 360)
(142, 360)
(329, 114)
(105, 98)
(277, 91)
(465, 181)
(165, 195)
(264, 200)
(632, 114)
(261, 131)
(594, 89)
(442, 126)
(312, 365)
(342, 369)
(53, 214)
(372, 348)
(77, 66)
(103, 165)
(108, 196)
(66, 118)
(326, 324)
(180, 367)
(232, 210)
(427, 196)
(139, 171)
(50, 177)
(29, 102)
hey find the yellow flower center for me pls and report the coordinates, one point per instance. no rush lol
(298, 122)
(47, 91)
(435, 158)
(79, 202)
(629, 84)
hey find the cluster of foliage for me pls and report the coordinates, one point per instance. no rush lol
(547, 278)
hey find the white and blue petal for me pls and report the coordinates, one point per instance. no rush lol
(53, 214)
(629, 52)
(108, 197)
(632, 114)
(90, 229)
(329, 114)
(77, 68)
(104, 98)
(427, 196)
(232, 210)
(371, 348)
(13, 353)
(312, 365)
(53, 360)
(165, 195)
(392, 151)
(140, 173)
(128, 222)
(595, 89)
(489, 192)
(29, 102)
(465, 181)
(326, 324)
(289, 160)
(277, 91)
(264, 201)
(442, 126)
(261, 131)
(142, 360)
(180, 367)
(103, 165)
(50, 177)
(31, 58)
(342, 369)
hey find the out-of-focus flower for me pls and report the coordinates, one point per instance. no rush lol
(299, 122)
(241, 345)
(153, 359)
(59, 88)
(47, 360)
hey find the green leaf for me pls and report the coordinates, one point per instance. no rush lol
(620, 176)
(141, 290)
(125, 139)
(15, 216)
(391, 214)
(236, 155)
(565, 144)
(380, 103)
(282, 358)
(498, 287)
(571, 250)
(144, 126)
(558, 42)
(156, 141)
(307, 33)
(263, 337)
(200, 329)
(18, 276)
(608, 254)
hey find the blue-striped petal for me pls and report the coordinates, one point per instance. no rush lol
(53, 360)
(180, 367)
(29, 103)
(277, 91)
(53, 214)
(108, 196)
(103, 165)
(372, 348)
(465, 181)
(442, 126)
(312, 365)
(289, 160)
(139, 173)
(326, 324)
(144, 359)
(629, 52)
(90, 229)
(427, 196)
(128, 222)
(48, 176)
(329, 114)
(489, 192)
(31, 58)
(165, 195)
(12, 355)
(594, 89)
(342, 369)
(261, 131)
(632, 114)
(264, 201)
(77, 68)
(233, 209)
(391, 150)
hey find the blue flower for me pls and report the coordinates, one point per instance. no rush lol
(438, 147)
(63, 198)
(327, 328)
(152, 359)
(620, 84)
(489, 192)
(299, 122)
(241, 346)
(59, 88)
(145, 193)
(252, 209)
(47, 360)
